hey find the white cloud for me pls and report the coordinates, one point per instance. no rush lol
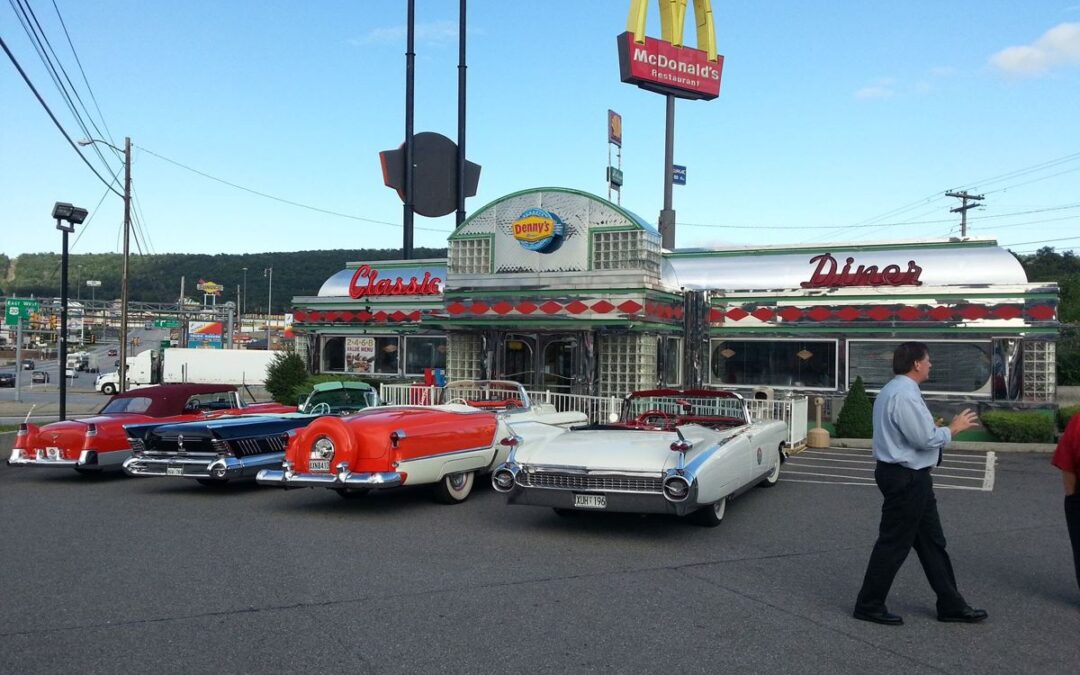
(433, 33)
(880, 89)
(1059, 46)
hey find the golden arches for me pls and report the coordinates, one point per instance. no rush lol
(672, 20)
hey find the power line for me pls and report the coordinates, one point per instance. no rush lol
(44, 105)
(281, 199)
(86, 81)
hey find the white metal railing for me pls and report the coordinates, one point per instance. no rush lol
(793, 411)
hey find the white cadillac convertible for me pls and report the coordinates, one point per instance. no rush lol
(681, 452)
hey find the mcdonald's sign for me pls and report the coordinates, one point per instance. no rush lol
(667, 66)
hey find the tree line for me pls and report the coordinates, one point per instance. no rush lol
(156, 278)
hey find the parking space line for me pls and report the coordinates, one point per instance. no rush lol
(988, 477)
(855, 466)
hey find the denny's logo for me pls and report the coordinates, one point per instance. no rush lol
(538, 230)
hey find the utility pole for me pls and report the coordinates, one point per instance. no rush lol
(269, 272)
(963, 208)
(124, 272)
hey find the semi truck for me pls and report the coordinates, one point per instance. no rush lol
(204, 366)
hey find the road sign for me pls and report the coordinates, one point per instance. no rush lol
(167, 323)
(678, 175)
(16, 308)
(615, 177)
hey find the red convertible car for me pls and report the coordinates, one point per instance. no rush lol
(99, 442)
(444, 445)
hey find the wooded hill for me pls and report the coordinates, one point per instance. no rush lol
(156, 278)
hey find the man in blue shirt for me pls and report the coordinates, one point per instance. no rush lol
(907, 445)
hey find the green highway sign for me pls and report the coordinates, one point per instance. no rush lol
(19, 308)
(167, 323)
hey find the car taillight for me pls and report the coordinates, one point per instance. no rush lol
(681, 446)
(510, 442)
(91, 430)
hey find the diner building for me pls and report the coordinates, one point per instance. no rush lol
(565, 291)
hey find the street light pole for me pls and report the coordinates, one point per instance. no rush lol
(122, 372)
(243, 302)
(269, 272)
(63, 211)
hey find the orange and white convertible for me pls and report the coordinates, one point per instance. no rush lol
(445, 445)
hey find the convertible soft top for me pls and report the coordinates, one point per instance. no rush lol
(167, 400)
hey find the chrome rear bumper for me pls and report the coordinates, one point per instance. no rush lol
(89, 460)
(342, 479)
(212, 467)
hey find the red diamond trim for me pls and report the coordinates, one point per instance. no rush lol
(503, 307)
(299, 316)
(630, 307)
(879, 313)
(1006, 312)
(577, 307)
(973, 312)
(455, 307)
(736, 314)
(345, 316)
(940, 313)
(678, 313)
(715, 315)
(398, 315)
(763, 314)
(526, 307)
(791, 314)
(550, 307)
(380, 316)
(819, 313)
(602, 307)
(330, 316)
(1042, 312)
(364, 316)
(478, 308)
(909, 313)
(848, 314)
(414, 316)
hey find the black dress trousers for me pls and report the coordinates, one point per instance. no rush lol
(1072, 520)
(909, 519)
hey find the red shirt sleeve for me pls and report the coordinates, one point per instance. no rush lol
(1067, 455)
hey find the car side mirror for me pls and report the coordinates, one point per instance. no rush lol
(302, 402)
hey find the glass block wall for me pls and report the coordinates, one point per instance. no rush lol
(1040, 371)
(630, 249)
(626, 363)
(470, 256)
(465, 355)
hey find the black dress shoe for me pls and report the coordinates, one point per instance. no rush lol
(965, 615)
(883, 617)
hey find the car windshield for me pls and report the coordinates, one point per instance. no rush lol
(134, 404)
(342, 399)
(684, 408)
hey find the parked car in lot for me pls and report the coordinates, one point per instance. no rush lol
(40, 377)
(70, 373)
(113, 351)
(28, 364)
(443, 445)
(229, 448)
(7, 379)
(684, 453)
(99, 442)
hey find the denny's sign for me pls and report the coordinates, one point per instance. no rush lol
(828, 274)
(667, 66)
(366, 283)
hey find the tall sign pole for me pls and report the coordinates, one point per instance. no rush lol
(410, 60)
(669, 67)
(461, 117)
(124, 273)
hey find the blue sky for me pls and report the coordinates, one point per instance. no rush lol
(836, 121)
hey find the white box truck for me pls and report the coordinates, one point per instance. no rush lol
(204, 366)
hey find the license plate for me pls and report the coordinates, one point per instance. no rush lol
(52, 453)
(319, 465)
(174, 471)
(590, 501)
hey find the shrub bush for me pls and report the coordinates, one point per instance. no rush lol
(284, 373)
(1019, 427)
(1065, 414)
(856, 418)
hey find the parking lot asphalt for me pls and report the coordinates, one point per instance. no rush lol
(117, 574)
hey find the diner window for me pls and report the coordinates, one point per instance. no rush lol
(361, 355)
(669, 361)
(957, 367)
(424, 352)
(779, 363)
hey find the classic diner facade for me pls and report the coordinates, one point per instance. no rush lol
(566, 291)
